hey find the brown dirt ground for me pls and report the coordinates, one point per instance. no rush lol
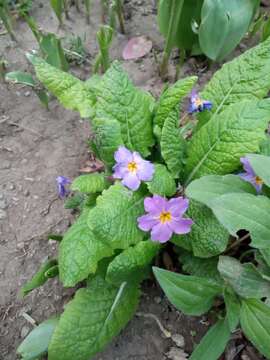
(38, 145)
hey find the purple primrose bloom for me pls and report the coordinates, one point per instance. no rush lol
(197, 104)
(132, 168)
(250, 176)
(165, 217)
(62, 181)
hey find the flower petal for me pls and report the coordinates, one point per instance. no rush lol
(161, 233)
(145, 168)
(154, 205)
(247, 166)
(122, 155)
(146, 222)
(120, 170)
(180, 226)
(131, 181)
(178, 206)
(207, 105)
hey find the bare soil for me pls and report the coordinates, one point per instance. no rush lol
(36, 146)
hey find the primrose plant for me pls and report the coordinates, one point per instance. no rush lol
(160, 184)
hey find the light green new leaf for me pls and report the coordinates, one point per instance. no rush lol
(265, 146)
(245, 279)
(172, 143)
(172, 97)
(80, 251)
(261, 166)
(247, 77)
(37, 342)
(53, 52)
(19, 77)
(255, 322)
(162, 182)
(118, 99)
(90, 183)
(132, 261)
(114, 219)
(210, 187)
(90, 321)
(213, 343)
(70, 91)
(191, 294)
(217, 147)
(245, 211)
(232, 308)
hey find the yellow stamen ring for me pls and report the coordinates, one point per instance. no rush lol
(165, 216)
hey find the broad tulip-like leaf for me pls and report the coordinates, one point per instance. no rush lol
(210, 187)
(245, 211)
(245, 279)
(37, 341)
(261, 166)
(191, 294)
(53, 52)
(172, 97)
(217, 147)
(114, 219)
(91, 320)
(132, 261)
(58, 8)
(162, 183)
(213, 343)
(80, 251)
(255, 323)
(72, 93)
(19, 77)
(223, 25)
(232, 308)
(247, 77)
(90, 183)
(119, 100)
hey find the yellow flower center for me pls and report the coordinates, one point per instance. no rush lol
(132, 166)
(165, 216)
(198, 102)
(258, 180)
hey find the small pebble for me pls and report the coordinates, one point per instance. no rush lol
(177, 354)
(26, 193)
(25, 331)
(3, 214)
(157, 299)
(178, 340)
(11, 187)
(245, 357)
(27, 93)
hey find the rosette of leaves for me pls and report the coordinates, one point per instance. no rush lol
(104, 250)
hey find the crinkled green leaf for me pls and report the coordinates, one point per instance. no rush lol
(70, 91)
(243, 278)
(172, 97)
(90, 183)
(37, 341)
(121, 101)
(232, 308)
(265, 146)
(90, 321)
(245, 211)
(131, 261)
(217, 147)
(162, 183)
(114, 219)
(207, 236)
(80, 251)
(172, 143)
(247, 77)
(261, 166)
(213, 343)
(74, 201)
(210, 187)
(191, 294)
(255, 322)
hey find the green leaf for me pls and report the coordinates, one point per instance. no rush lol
(131, 261)
(58, 8)
(172, 143)
(255, 322)
(37, 342)
(53, 52)
(232, 308)
(245, 211)
(265, 146)
(210, 187)
(207, 236)
(162, 182)
(121, 101)
(244, 279)
(114, 219)
(90, 183)
(213, 343)
(172, 97)
(191, 294)
(217, 147)
(92, 319)
(247, 77)
(80, 251)
(19, 77)
(72, 93)
(223, 25)
(261, 166)
(39, 278)
(74, 201)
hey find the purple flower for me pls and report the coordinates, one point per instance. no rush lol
(165, 217)
(61, 182)
(131, 168)
(197, 104)
(250, 176)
